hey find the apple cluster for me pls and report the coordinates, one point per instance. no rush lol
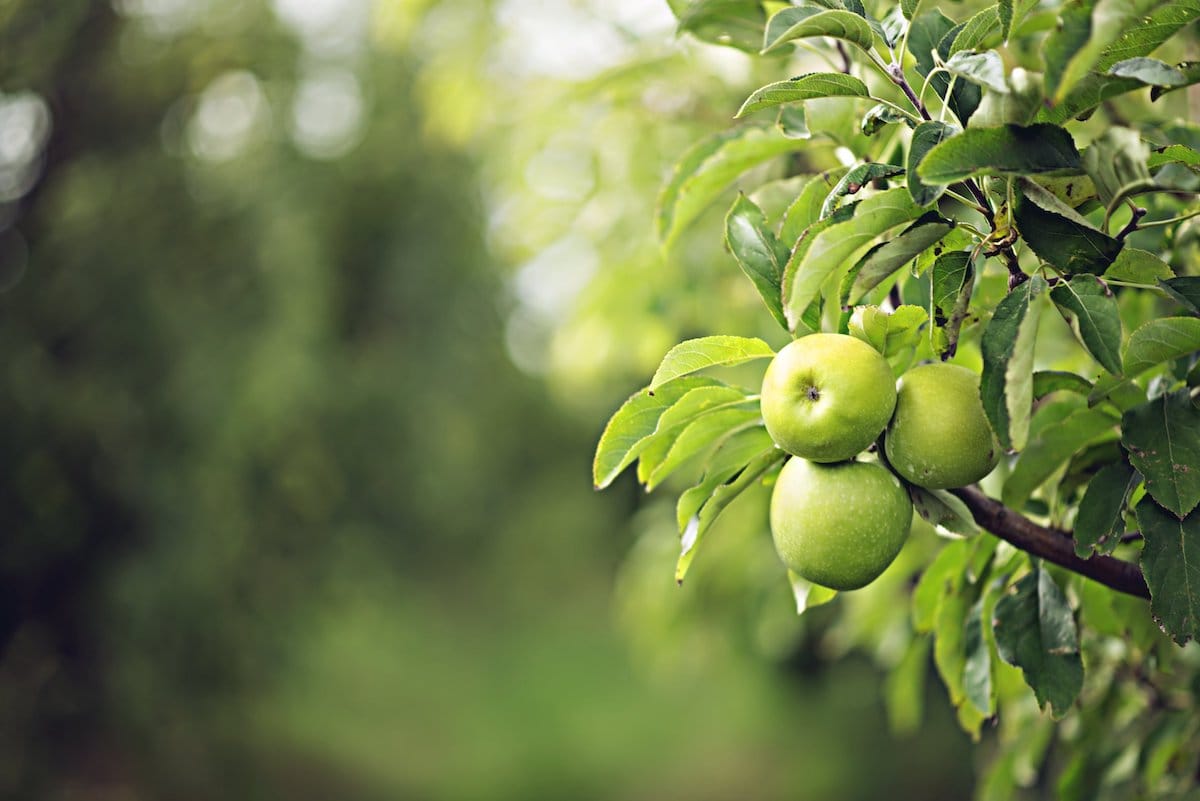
(826, 398)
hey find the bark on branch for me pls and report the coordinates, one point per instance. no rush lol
(1051, 545)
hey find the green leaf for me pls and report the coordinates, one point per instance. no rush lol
(1091, 309)
(1064, 242)
(893, 26)
(1066, 52)
(1007, 150)
(804, 22)
(983, 554)
(730, 458)
(882, 115)
(1163, 441)
(951, 271)
(1074, 46)
(1186, 290)
(806, 208)
(1047, 200)
(1138, 267)
(924, 34)
(1095, 36)
(909, 8)
(819, 255)
(1036, 632)
(804, 87)
(944, 511)
(792, 122)
(1101, 521)
(985, 69)
(1047, 381)
(631, 427)
(723, 496)
(943, 574)
(1073, 190)
(1139, 37)
(1005, 8)
(697, 354)
(710, 166)
(1051, 448)
(978, 686)
(926, 137)
(1174, 154)
(756, 250)
(808, 595)
(1017, 105)
(904, 688)
(774, 196)
(736, 23)
(1006, 386)
(1090, 92)
(854, 180)
(855, 6)
(696, 402)
(980, 31)
(1117, 30)
(696, 438)
(1121, 392)
(1161, 341)
(1116, 163)
(676, 419)
(1171, 564)
(931, 33)
(1149, 71)
(953, 280)
(883, 260)
(1190, 70)
(949, 646)
(888, 332)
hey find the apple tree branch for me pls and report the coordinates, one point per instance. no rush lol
(1051, 544)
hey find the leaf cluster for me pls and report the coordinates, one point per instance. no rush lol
(955, 188)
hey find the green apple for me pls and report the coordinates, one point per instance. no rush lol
(940, 436)
(826, 397)
(839, 525)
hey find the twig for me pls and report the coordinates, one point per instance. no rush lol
(985, 208)
(1016, 276)
(841, 48)
(1171, 221)
(896, 73)
(1131, 226)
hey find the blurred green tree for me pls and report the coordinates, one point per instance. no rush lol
(280, 517)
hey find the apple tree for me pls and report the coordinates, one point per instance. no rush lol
(1010, 188)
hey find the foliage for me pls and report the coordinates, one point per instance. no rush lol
(995, 191)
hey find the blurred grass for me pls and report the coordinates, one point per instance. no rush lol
(410, 696)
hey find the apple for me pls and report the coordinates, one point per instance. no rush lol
(940, 436)
(826, 397)
(839, 525)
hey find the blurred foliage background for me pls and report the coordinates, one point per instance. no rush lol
(313, 312)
